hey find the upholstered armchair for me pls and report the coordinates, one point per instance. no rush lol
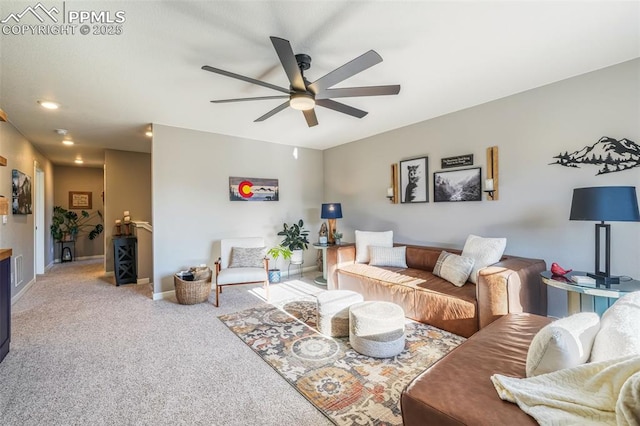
(241, 261)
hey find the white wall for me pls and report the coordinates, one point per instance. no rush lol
(18, 233)
(191, 207)
(535, 197)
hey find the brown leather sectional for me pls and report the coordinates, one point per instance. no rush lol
(457, 389)
(511, 285)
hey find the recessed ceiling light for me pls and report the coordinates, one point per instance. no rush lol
(79, 161)
(67, 142)
(49, 104)
(148, 133)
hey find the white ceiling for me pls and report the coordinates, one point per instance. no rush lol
(446, 55)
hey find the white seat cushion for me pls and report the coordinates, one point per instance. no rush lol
(241, 275)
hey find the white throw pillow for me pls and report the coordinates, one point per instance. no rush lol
(247, 257)
(619, 333)
(484, 252)
(388, 256)
(562, 344)
(364, 239)
(453, 268)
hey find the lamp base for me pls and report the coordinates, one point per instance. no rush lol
(603, 279)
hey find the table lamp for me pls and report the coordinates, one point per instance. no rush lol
(605, 203)
(331, 211)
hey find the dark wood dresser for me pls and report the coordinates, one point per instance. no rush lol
(5, 302)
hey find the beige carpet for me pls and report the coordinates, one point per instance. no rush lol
(85, 352)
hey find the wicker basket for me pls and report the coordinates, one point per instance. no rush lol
(196, 291)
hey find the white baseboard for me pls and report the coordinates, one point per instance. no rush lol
(143, 281)
(97, 256)
(48, 267)
(164, 295)
(22, 292)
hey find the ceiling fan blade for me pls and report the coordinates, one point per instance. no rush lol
(349, 92)
(310, 116)
(337, 106)
(289, 63)
(273, 112)
(247, 79)
(259, 98)
(359, 64)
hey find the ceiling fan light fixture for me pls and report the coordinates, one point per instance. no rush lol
(302, 101)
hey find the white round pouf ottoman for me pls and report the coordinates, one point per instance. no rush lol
(333, 311)
(376, 329)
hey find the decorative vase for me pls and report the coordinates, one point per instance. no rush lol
(274, 275)
(338, 241)
(296, 257)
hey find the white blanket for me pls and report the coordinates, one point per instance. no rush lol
(598, 393)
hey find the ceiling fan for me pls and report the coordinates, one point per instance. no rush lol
(304, 95)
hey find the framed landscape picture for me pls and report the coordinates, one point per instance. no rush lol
(414, 187)
(253, 189)
(457, 185)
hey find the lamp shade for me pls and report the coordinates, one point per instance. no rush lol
(331, 211)
(605, 203)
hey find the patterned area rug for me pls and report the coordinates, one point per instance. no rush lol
(348, 388)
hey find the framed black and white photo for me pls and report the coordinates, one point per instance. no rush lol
(457, 185)
(21, 192)
(414, 187)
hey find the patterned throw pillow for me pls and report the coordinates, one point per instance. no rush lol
(247, 257)
(484, 252)
(453, 268)
(388, 256)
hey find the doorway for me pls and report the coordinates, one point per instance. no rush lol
(39, 210)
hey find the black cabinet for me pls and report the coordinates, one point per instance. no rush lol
(5, 302)
(125, 259)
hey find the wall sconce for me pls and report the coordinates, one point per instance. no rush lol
(488, 188)
(392, 191)
(491, 182)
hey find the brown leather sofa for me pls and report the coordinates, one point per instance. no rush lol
(457, 389)
(511, 285)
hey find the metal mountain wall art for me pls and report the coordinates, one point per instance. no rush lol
(609, 154)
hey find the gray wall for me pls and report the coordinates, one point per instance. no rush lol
(191, 207)
(127, 188)
(85, 179)
(535, 197)
(18, 233)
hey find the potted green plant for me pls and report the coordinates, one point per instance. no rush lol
(337, 237)
(295, 239)
(66, 225)
(275, 253)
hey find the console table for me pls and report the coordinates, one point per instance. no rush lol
(603, 296)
